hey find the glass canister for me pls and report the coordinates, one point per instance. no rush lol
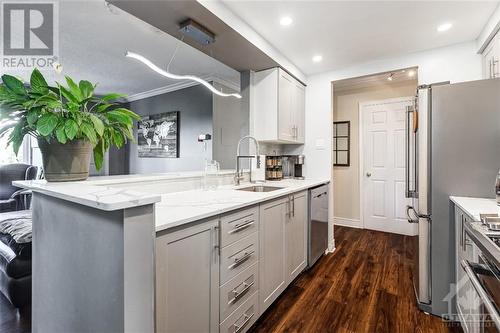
(211, 175)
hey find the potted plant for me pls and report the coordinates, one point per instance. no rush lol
(68, 121)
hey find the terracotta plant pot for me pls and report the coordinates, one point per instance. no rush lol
(65, 162)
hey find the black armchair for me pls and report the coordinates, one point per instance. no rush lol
(13, 198)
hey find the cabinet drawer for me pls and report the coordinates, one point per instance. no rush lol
(238, 290)
(243, 318)
(239, 225)
(235, 258)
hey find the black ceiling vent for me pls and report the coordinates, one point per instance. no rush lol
(197, 32)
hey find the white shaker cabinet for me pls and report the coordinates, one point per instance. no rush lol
(491, 59)
(278, 107)
(272, 251)
(283, 245)
(296, 235)
(187, 279)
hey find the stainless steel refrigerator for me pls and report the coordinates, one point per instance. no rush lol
(452, 148)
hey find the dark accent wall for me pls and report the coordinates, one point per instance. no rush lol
(195, 108)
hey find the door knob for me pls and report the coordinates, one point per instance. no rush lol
(368, 174)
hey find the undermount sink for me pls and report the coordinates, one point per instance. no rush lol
(259, 188)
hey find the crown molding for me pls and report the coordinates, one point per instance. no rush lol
(181, 85)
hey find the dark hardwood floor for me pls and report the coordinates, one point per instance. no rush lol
(364, 286)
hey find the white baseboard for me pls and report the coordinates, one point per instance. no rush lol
(354, 223)
(395, 230)
(346, 222)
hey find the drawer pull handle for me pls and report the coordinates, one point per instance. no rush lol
(237, 328)
(239, 294)
(239, 227)
(239, 261)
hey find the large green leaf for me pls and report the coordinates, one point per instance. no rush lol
(46, 124)
(70, 128)
(14, 84)
(89, 132)
(7, 96)
(16, 137)
(113, 96)
(119, 117)
(103, 107)
(73, 87)
(32, 116)
(86, 88)
(118, 139)
(98, 124)
(129, 113)
(60, 134)
(68, 95)
(99, 155)
(38, 83)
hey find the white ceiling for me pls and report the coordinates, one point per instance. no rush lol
(92, 45)
(352, 32)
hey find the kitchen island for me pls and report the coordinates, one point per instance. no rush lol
(100, 245)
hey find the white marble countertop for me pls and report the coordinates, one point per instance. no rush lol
(88, 194)
(172, 209)
(475, 206)
(95, 192)
(123, 179)
(180, 208)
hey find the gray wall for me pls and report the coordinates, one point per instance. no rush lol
(231, 120)
(195, 116)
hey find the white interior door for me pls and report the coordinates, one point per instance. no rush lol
(383, 168)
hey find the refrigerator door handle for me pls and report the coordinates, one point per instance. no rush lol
(408, 191)
(410, 219)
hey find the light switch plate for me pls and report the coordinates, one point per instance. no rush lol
(320, 144)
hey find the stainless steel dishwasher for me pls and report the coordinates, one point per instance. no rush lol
(318, 223)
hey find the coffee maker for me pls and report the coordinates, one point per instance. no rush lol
(298, 164)
(292, 166)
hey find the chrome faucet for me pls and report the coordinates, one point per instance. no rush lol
(239, 175)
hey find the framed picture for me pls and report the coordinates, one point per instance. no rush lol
(341, 143)
(158, 135)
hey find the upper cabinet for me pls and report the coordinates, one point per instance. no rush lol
(491, 59)
(278, 108)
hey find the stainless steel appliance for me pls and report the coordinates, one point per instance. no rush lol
(452, 148)
(299, 163)
(483, 271)
(292, 166)
(318, 223)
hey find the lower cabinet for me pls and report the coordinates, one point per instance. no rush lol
(219, 275)
(187, 279)
(296, 236)
(283, 244)
(273, 216)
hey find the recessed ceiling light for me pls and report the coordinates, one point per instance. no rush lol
(444, 27)
(286, 21)
(317, 58)
(411, 73)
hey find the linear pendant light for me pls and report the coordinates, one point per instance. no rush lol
(160, 71)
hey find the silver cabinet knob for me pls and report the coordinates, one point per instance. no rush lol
(368, 174)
